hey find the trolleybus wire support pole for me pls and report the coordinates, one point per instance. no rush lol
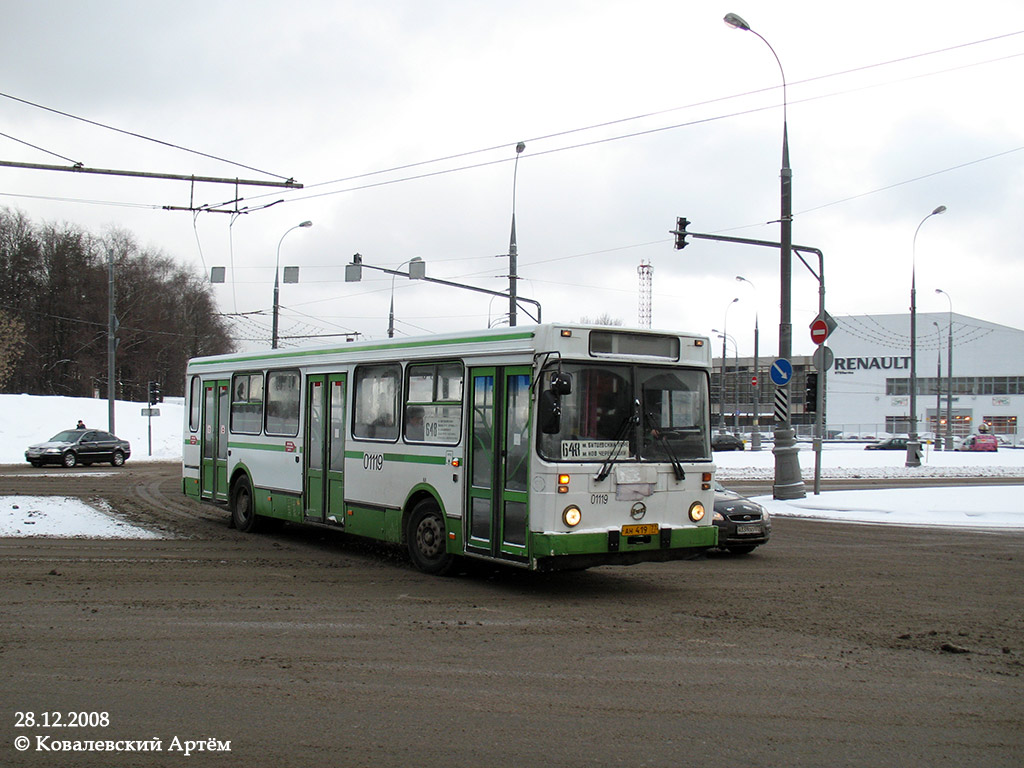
(352, 275)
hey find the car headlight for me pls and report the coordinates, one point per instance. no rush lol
(52, 450)
(718, 518)
(697, 512)
(572, 516)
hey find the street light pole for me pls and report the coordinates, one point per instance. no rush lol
(277, 288)
(914, 443)
(721, 384)
(755, 436)
(513, 257)
(416, 270)
(788, 481)
(949, 374)
(938, 384)
(735, 372)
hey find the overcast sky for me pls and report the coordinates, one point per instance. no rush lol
(633, 113)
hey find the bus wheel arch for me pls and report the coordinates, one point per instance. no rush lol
(426, 535)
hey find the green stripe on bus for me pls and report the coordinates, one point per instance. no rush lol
(372, 348)
(265, 447)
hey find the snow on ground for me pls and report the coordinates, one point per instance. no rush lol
(23, 517)
(26, 419)
(990, 508)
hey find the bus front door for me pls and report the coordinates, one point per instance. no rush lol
(324, 485)
(499, 463)
(214, 465)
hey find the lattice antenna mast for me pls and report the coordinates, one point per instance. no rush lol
(645, 271)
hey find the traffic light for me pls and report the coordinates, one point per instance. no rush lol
(811, 393)
(680, 232)
(154, 393)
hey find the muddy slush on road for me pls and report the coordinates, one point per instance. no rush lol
(834, 645)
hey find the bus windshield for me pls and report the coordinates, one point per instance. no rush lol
(630, 413)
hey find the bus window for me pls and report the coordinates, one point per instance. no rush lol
(283, 403)
(433, 410)
(672, 404)
(195, 401)
(246, 403)
(377, 391)
(597, 416)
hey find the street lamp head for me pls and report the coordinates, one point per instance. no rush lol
(307, 224)
(940, 209)
(736, 22)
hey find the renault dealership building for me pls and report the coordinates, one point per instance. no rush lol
(867, 390)
(868, 386)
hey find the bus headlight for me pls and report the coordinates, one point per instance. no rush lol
(696, 511)
(571, 516)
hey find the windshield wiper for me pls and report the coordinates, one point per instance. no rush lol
(620, 437)
(677, 467)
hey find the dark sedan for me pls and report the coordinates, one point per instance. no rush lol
(889, 444)
(743, 525)
(723, 441)
(79, 446)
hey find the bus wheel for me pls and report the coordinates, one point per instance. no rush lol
(243, 510)
(426, 539)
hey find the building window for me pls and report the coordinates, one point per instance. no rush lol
(1001, 425)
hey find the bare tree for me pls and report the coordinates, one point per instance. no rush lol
(54, 283)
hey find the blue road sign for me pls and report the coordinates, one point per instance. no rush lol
(781, 372)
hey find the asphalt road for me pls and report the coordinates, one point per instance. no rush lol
(834, 645)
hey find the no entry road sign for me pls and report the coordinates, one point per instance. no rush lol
(819, 331)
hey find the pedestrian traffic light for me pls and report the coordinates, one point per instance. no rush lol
(681, 233)
(154, 393)
(811, 393)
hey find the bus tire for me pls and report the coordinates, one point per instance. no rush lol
(243, 508)
(425, 537)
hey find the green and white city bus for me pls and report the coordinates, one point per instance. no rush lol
(546, 447)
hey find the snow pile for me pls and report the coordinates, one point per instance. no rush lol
(24, 517)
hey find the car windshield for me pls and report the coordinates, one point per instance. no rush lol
(623, 412)
(67, 436)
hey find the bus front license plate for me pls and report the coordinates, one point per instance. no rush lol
(648, 529)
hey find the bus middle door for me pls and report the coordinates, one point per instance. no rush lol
(324, 484)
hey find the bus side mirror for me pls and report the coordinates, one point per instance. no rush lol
(550, 413)
(561, 383)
